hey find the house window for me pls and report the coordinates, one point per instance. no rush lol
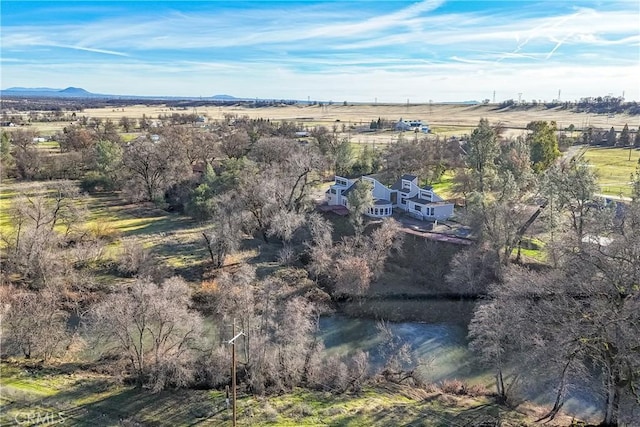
(333, 191)
(418, 208)
(376, 212)
(431, 211)
(402, 200)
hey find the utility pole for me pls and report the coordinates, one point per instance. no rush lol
(233, 369)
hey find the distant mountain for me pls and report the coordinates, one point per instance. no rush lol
(75, 91)
(31, 89)
(50, 92)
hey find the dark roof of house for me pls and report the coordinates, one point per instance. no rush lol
(398, 184)
(417, 199)
(348, 190)
(427, 202)
(427, 187)
(380, 202)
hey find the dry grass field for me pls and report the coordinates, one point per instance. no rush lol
(448, 116)
(444, 119)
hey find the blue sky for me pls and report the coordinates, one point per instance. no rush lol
(357, 51)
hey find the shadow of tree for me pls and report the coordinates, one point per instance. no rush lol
(100, 402)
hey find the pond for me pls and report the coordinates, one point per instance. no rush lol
(441, 347)
(440, 344)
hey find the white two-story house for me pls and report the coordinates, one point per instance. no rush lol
(405, 194)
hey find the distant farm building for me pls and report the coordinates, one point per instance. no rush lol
(414, 125)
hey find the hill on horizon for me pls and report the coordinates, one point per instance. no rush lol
(75, 90)
(48, 92)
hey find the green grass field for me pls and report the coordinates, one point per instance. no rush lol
(443, 188)
(6, 197)
(93, 399)
(613, 168)
(172, 238)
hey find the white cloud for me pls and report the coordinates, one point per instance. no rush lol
(289, 51)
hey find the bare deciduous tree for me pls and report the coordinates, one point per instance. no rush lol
(32, 245)
(585, 312)
(472, 270)
(383, 240)
(277, 348)
(153, 328)
(33, 323)
(28, 160)
(235, 144)
(155, 166)
(223, 237)
(352, 276)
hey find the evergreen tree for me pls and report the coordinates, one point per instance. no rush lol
(482, 153)
(544, 144)
(360, 199)
(611, 137)
(625, 138)
(6, 159)
(108, 162)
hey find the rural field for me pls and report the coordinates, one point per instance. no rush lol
(447, 116)
(614, 167)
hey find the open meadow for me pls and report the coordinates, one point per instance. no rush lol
(614, 167)
(36, 396)
(444, 119)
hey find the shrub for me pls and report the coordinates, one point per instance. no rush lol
(133, 258)
(94, 181)
(103, 230)
(453, 386)
(304, 410)
(286, 256)
(477, 390)
(270, 413)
